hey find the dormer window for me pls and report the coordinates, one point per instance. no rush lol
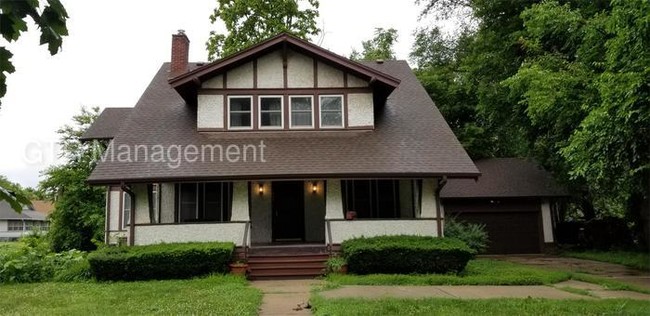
(302, 111)
(239, 112)
(271, 112)
(331, 111)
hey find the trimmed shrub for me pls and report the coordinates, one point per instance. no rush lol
(474, 235)
(406, 254)
(163, 261)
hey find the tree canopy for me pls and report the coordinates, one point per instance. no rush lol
(379, 47)
(248, 22)
(78, 218)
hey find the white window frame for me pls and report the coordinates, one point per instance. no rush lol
(320, 111)
(125, 218)
(311, 97)
(259, 111)
(251, 112)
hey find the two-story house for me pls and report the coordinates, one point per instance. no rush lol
(283, 142)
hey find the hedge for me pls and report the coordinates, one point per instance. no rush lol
(405, 254)
(162, 261)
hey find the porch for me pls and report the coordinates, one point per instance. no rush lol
(254, 214)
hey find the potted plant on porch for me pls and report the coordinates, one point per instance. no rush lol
(239, 267)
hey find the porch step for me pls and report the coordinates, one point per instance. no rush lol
(286, 262)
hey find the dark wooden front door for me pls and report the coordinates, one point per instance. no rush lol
(288, 211)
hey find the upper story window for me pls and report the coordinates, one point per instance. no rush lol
(302, 113)
(331, 111)
(239, 112)
(271, 112)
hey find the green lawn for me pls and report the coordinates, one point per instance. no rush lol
(637, 260)
(218, 295)
(478, 272)
(321, 306)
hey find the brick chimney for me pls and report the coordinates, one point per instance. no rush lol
(180, 54)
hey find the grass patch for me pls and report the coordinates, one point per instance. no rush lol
(608, 283)
(477, 272)
(637, 260)
(218, 295)
(322, 306)
(575, 290)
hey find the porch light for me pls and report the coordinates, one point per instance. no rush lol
(260, 188)
(314, 187)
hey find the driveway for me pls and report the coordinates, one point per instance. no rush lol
(609, 270)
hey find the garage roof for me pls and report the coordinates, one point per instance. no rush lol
(505, 177)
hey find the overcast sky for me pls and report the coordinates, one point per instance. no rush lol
(114, 49)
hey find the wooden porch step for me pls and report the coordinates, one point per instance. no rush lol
(286, 272)
(286, 265)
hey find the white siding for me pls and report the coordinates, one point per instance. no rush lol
(210, 111)
(300, 70)
(329, 77)
(241, 77)
(270, 73)
(360, 109)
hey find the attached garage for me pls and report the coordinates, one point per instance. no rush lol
(513, 198)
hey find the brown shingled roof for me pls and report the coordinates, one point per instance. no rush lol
(505, 177)
(107, 124)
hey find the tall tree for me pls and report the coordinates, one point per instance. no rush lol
(51, 20)
(78, 217)
(250, 21)
(379, 47)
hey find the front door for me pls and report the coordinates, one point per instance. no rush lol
(288, 211)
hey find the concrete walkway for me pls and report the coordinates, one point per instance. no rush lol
(285, 297)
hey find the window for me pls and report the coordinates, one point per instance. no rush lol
(126, 210)
(379, 198)
(154, 202)
(271, 112)
(331, 111)
(239, 112)
(204, 202)
(301, 111)
(14, 226)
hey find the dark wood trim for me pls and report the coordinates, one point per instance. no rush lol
(316, 112)
(107, 227)
(116, 231)
(254, 73)
(255, 111)
(279, 91)
(345, 110)
(226, 118)
(345, 79)
(540, 225)
(120, 210)
(212, 130)
(176, 203)
(114, 188)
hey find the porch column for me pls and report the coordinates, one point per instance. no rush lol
(240, 202)
(334, 200)
(429, 208)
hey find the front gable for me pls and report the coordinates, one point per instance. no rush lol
(284, 84)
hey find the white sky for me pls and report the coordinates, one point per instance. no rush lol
(114, 49)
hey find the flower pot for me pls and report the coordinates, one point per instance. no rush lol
(350, 215)
(238, 268)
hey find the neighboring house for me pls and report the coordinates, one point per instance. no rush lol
(14, 225)
(44, 207)
(514, 198)
(276, 144)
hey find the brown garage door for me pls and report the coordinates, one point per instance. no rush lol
(509, 232)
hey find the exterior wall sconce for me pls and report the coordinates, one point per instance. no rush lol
(314, 187)
(260, 188)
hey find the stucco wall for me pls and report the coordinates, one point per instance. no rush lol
(343, 230)
(240, 77)
(333, 200)
(300, 70)
(213, 83)
(141, 203)
(356, 82)
(360, 109)
(114, 211)
(261, 214)
(240, 201)
(167, 200)
(155, 234)
(270, 73)
(429, 207)
(547, 222)
(329, 77)
(314, 212)
(210, 111)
